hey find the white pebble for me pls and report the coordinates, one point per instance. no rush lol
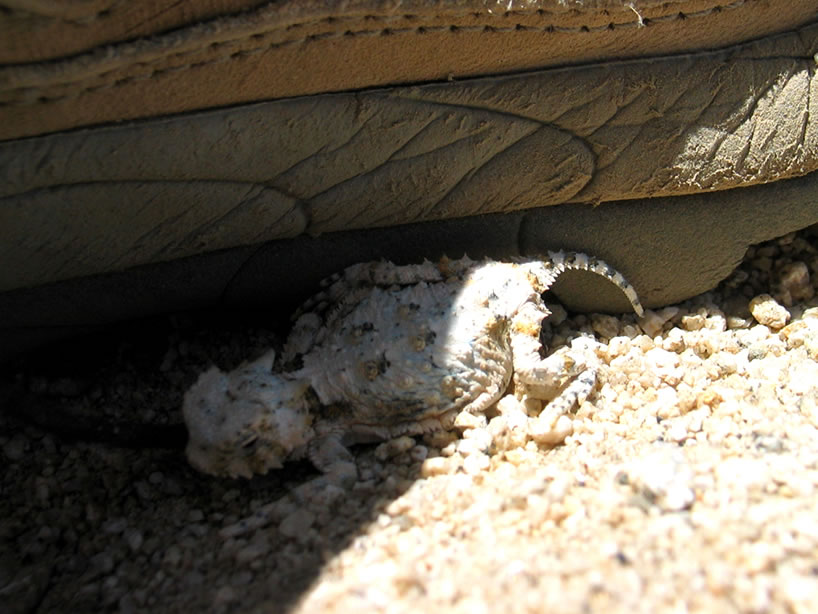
(665, 364)
(693, 322)
(618, 346)
(767, 311)
(437, 465)
(677, 431)
(543, 431)
(475, 463)
(481, 436)
(467, 420)
(665, 477)
(800, 593)
(467, 447)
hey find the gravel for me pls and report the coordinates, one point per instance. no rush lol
(687, 482)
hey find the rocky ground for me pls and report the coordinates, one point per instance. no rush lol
(687, 482)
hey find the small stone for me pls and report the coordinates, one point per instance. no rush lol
(736, 322)
(230, 495)
(42, 491)
(664, 478)
(517, 456)
(509, 430)
(767, 311)
(509, 404)
(449, 449)
(133, 537)
(224, 595)
(812, 312)
(800, 593)
(193, 578)
(252, 551)
(173, 556)
(151, 545)
(418, 453)
(674, 341)
(102, 563)
(297, 523)
(398, 507)
(677, 432)
(481, 437)
(437, 465)
(467, 420)
(475, 463)
(393, 447)
(497, 427)
(467, 447)
(144, 490)
(665, 364)
(66, 387)
(241, 578)
(694, 321)
(15, 448)
(127, 604)
(716, 322)
(618, 346)
(605, 325)
(439, 439)
(666, 403)
(653, 321)
(795, 281)
(115, 526)
(804, 333)
(195, 515)
(763, 264)
(542, 431)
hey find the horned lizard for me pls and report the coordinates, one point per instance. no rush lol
(384, 351)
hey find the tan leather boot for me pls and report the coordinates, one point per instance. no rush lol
(160, 155)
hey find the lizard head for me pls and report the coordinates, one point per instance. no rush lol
(246, 421)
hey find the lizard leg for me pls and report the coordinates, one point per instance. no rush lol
(569, 372)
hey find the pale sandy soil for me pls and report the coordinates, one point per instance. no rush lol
(687, 482)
